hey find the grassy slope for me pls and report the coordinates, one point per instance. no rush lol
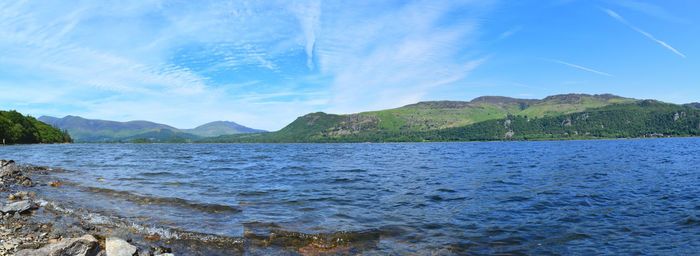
(405, 123)
(423, 117)
(631, 120)
(627, 120)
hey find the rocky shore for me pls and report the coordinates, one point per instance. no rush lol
(31, 226)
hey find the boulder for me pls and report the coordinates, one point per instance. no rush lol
(86, 245)
(118, 247)
(8, 168)
(16, 207)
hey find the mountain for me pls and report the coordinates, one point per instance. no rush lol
(219, 128)
(441, 120)
(431, 115)
(16, 128)
(93, 130)
(693, 105)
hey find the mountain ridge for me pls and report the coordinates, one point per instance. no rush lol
(430, 115)
(428, 119)
(98, 130)
(218, 128)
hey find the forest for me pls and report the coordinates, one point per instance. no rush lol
(16, 128)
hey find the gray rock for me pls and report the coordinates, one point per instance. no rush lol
(118, 247)
(8, 168)
(19, 207)
(509, 134)
(27, 183)
(86, 245)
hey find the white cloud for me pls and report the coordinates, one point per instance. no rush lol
(309, 15)
(635, 28)
(652, 10)
(393, 57)
(582, 68)
(160, 61)
(509, 32)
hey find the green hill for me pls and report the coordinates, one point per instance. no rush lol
(640, 119)
(491, 118)
(219, 128)
(693, 105)
(434, 115)
(93, 130)
(18, 129)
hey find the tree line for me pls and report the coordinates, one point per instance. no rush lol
(16, 128)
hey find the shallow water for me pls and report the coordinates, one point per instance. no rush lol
(554, 197)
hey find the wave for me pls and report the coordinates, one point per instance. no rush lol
(169, 201)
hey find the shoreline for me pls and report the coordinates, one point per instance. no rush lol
(43, 224)
(386, 142)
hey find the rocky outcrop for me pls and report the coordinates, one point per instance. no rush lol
(677, 116)
(118, 247)
(578, 98)
(494, 100)
(441, 104)
(509, 134)
(86, 245)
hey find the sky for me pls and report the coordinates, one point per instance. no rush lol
(264, 63)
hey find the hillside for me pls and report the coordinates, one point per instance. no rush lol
(433, 115)
(18, 129)
(693, 105)
(493, 118)
(219, 128)
(93, 130)
(641, 119)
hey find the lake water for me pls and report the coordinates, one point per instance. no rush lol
(552, 197)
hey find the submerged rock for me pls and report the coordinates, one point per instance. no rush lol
(18, 207)
(118, 247)
(86, 245)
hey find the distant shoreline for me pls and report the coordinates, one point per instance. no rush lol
(387, 142)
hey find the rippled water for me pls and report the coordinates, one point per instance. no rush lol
(565, 197)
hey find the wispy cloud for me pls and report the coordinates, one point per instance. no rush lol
(388, 58)
(651, 10)
(309, 15)
(145, 60)
(582, 68)
(509, 32)
(635, 28)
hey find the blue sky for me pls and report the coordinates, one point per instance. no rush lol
(262, 64)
